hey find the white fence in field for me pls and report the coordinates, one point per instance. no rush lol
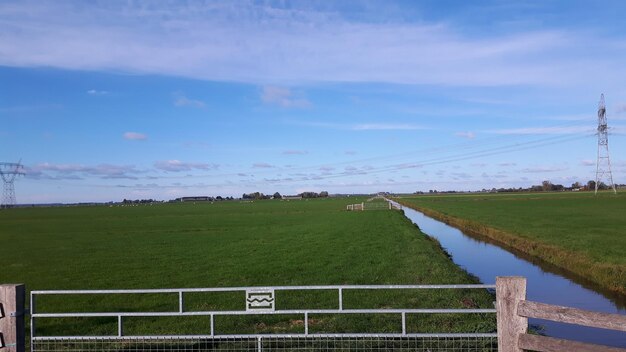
(373, 206)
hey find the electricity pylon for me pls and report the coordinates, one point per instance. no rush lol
(9, 171)
(603, 165)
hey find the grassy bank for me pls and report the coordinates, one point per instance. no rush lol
(272, 243)
(578, 232)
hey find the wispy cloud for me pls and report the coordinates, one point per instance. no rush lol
(273, 43)
(283, 97)
(468, 134)
(97, 92)
(587, 162)
(135, 136)
(79, 171)
(262, 166)
(178, 166)
(181, 100)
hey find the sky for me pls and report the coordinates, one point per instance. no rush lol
(106, 100)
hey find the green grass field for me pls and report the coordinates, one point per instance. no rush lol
(225, 244)
(578, 231)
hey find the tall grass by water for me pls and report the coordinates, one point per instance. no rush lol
(577, 231)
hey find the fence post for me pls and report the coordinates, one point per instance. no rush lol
(510, 290)
(12, 312)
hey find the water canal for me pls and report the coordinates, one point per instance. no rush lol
(545, 283)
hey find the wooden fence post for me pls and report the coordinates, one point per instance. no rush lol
(12, 312)
(510, 290)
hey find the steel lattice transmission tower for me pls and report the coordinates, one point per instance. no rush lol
(9, 171)
(603, 165)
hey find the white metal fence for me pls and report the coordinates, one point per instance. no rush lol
(374, 206)
(259, 302)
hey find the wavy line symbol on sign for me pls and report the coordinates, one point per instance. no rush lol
(260, 300)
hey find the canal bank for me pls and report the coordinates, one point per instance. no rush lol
(545, 284)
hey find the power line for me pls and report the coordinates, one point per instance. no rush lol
(409, 165)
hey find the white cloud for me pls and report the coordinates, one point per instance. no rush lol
(468, 134)
(282, 97)
(79, 171)
(135, 136)
(182, 100)
(268, 44)
(587, 162)
(262, 166)
(97, 92)
(178, 166)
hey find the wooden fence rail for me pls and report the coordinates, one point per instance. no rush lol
(514, 311)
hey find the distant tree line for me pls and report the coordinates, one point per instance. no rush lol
(259, 195)
(139, 201)
(322, 194)
(545, 186)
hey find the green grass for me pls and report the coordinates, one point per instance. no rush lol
(312, 242)
(580, 232)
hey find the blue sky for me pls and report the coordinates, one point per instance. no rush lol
(110, 100)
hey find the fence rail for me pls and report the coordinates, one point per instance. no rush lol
(259, 301)
(378, 205)
(514, 310)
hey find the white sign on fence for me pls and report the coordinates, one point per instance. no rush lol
(260, 300)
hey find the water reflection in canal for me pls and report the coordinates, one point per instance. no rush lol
(545, 283)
